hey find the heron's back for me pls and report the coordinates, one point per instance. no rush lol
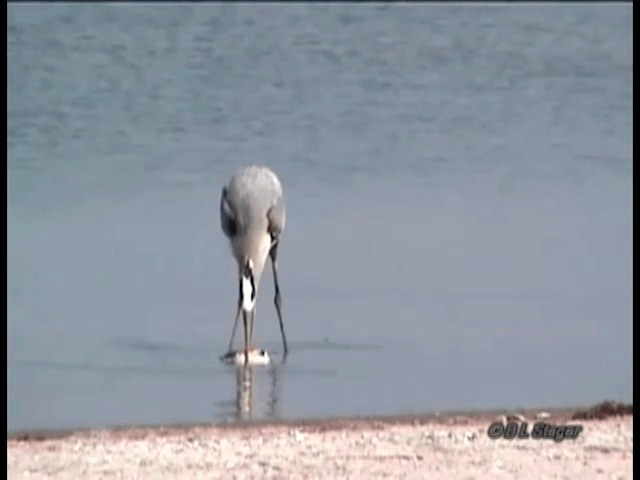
(251, 193)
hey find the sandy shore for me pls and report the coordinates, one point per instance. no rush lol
(452, 446)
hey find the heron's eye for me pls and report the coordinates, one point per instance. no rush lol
(231, 226)
(228, 216)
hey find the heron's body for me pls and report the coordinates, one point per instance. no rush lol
(256, 202)
(252, 215)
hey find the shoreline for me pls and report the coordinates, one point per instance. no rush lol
(451, 445)
(451, 417)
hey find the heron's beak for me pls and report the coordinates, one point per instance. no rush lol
(248, 288)
(245, 317)
(248, 303)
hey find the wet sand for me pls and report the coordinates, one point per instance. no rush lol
(452, 445)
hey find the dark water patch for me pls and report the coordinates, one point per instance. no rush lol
(120, 369)
(141, 345)
(330, 345)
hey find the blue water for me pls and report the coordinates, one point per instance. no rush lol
(458, 181)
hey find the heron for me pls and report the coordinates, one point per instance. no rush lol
(252, 214)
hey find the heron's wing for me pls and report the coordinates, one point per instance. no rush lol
(228, 218)
(276, 216)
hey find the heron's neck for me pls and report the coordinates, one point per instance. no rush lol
(249, 291)
(255, 247)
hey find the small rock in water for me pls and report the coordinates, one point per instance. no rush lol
(515, 417)
(256, 357)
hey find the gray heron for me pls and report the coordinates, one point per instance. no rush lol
(252, 215)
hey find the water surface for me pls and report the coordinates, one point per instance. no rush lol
(458, 181)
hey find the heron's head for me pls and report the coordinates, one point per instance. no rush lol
(248, 286)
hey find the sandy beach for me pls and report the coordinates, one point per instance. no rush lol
(412, 447)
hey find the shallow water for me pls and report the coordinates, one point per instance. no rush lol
(459, 190)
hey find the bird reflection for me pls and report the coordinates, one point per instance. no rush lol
(248, 404)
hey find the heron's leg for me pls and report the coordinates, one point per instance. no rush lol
(273, 253)
(235, 325)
